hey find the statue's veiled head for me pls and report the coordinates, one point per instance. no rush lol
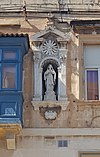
(50, 67)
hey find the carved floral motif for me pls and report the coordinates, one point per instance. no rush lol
(49, 47)
(50, 114)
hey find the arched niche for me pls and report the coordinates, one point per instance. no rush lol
(44, 67)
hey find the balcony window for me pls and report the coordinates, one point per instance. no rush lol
(12, 51)
(92, 84)
(10, 69)
(92, 72)
(9, 76)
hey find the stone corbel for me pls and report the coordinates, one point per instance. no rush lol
(50, 113)
(10, 139)
(9, 131)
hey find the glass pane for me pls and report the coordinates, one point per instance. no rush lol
(9, 77)
(9, 55)
(92, 85)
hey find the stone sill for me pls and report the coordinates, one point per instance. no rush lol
(88, 102)
(61, 132)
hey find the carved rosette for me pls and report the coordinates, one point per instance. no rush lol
(49, 48)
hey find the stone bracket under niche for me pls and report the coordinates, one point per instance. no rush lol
(38, 104)
(50, 113)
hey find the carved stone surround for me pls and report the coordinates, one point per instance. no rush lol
(49, 47)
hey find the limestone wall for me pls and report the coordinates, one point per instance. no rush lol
(47, 5)
(40, 146)
(49, 1)
(78, 113)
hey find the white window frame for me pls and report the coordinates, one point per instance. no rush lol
(92, 68)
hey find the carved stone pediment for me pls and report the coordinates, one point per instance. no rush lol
(50, 31)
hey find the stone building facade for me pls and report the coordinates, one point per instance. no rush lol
(50, 78)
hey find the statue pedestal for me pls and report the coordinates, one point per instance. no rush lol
(37, 104)
(49, 95)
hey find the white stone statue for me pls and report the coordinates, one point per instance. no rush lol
(50, 78)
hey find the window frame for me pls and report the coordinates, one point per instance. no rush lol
(98, 70)
(85, 40)
(16, 76)
(88, 153)
(15, 49)
(11, 62)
